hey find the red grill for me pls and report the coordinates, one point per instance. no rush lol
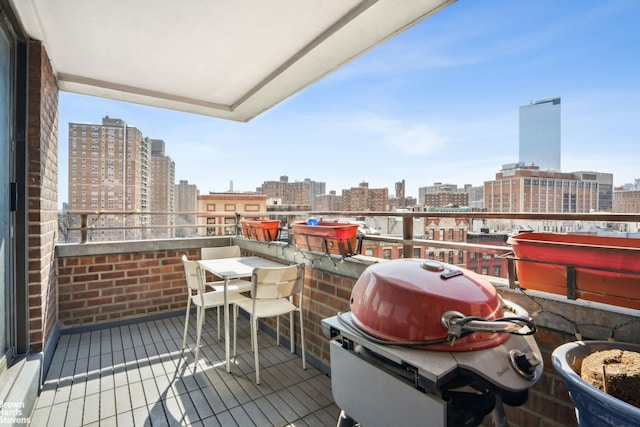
(404, 300)
(427, 343)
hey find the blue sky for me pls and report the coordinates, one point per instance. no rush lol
(438, 103)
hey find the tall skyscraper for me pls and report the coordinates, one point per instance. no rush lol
(161, 190)
(540, 138)
(108, 172)
(315, 189)
(186, 206)
(400, 194)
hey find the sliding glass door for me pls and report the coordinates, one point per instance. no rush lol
(7, 297)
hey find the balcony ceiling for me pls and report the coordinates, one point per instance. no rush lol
(230, 59)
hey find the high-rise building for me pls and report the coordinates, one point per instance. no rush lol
(109, 171)
(476, 196)
(520, 188)
(363, 198)
(540, 136)
(161, 191)
(186, 206)
(328, 202)
(301, 194)
(315, 189)
(400, 195)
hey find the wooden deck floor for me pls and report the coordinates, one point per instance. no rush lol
(136, 375)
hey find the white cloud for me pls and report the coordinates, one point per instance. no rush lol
(407, 137)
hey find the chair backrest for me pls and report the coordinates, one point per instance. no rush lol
(278, 282)
(191, 272)
(220, 252)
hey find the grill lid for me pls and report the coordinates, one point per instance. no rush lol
(404, 301)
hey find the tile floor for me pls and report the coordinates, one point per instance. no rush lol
(135, 375)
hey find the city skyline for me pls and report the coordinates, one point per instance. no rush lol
(437, 103)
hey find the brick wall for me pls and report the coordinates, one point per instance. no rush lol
(42, 194)
(101, 288)
(326, 294)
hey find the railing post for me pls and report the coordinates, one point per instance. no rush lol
(511, 272)
(571, 282)
(290, 219)
(238, 218)
(407, 234)
(83, 225)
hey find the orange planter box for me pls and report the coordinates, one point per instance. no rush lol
(329, 237)
(587, 254)
(265, 230)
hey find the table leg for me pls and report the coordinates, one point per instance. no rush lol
(226, 325)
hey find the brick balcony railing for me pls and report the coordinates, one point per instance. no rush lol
(101, 283)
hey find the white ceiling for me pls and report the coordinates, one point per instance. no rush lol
(231, 59)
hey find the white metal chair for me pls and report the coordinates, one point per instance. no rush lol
(235, 285)
(197, 295)
(272, 295)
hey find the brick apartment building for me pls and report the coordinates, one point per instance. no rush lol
(363, 198)
(162, 195)
(328, 202)
(520, 188)
(626, 201)
(302, 193)
(186, 205)
(441, 195)
(108, 171)
(483, 263)
(217, 209)
(439, 229)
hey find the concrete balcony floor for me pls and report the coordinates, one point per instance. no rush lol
(136, 375)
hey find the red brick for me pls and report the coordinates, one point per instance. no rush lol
(111, 308)
(101, 284)
(70, 305)
(127, 281)
(125, 298)
(127, 266)
(73, 288)
(136, 289)
(99, 301)
(113, 275)
(174, 276)
(85, 278)
(111, 291)
(149, 263)
(138, 272)
(85, 295)
(103, 267)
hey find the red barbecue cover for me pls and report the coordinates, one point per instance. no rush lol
(404, 300)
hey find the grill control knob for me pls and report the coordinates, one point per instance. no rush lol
(525, 364)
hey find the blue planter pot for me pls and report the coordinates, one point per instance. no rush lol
(593, 407)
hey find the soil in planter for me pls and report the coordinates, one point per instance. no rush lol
(620, 370)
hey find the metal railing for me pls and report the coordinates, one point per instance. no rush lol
(85, 224)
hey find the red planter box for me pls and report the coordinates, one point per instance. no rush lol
(329, 237)
(265, 230)
(587, 254)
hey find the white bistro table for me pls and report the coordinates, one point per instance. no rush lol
(233, 268)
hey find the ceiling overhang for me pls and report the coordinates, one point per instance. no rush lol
(226, 59)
